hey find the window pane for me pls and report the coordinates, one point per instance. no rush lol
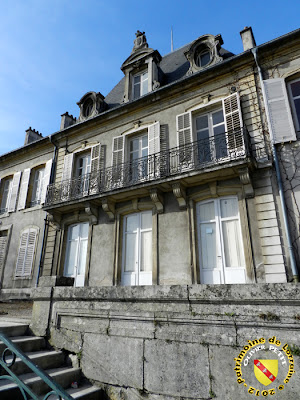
(136, 91)
(219, 129)
(232, 244)
(229, 208)
(74, 232)
(145, 141)
(84, 231)
(208, 245)
(147, 220)
(145, 86)
(130, 243)
(217, 117)
(201, 122)
(146, 249)
(131, 223)
(136, 79)
(295, 88)
(71, 258)
(204, 59)
(207, 211)
(297, 106)
(82, 257)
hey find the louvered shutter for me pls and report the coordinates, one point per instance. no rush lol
(233, 121)
(164, 158)
(95, 158)
(118, 150)
(280, 117)
(184, 135)
(46, 180)
(24, 189)
(68, 164)
(14, 192)
(184, 128)
(118, 159)
(26, 252)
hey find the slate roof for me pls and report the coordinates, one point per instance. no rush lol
(174, 67)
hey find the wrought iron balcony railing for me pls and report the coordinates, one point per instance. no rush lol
(194, 156)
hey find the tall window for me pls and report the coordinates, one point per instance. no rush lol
(138, 152)
(294, 91)
(140, 85)
(76, 252)
(6, 193)
(26, 252)
(210, 131)
(38, 180)
(221, 253)
(137, 249)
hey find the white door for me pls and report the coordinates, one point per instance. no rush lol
(220, 245)
(76, 252)
(137, 249)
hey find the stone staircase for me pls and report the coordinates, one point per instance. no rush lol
(52, 361)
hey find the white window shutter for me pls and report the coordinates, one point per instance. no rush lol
(68, 164)
(153, 138)
(26, 252)
(24, 189)
(46, 180)
(95, 157)
(184, 128)
(233, 121)
(280, 116)
(232, 112)
(14, 192)
(118, 150)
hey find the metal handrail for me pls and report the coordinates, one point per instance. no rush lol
(204, 153)
(13, 351)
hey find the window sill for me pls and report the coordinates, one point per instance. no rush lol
(34, 208)
(17, 278)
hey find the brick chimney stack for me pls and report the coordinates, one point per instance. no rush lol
(248, 38)
(32, 136)
(67, 120)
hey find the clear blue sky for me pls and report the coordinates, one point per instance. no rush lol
(54, 51)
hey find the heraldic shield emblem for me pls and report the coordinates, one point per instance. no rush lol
(266, 371)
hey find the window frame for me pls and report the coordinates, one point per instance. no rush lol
(296, 118)
(37, 188)
(140, 83)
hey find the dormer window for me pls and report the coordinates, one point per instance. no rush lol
(140, 85)
(91, 104)
(141, 69)
(88, 107)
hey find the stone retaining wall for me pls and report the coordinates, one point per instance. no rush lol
(176, 342)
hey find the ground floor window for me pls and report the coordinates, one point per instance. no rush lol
(137, 249)
(76, 252)
(221, 255)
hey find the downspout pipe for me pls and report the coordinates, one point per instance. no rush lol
(54, 158)
(278, 173)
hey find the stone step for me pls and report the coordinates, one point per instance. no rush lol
(63, 376)
(84, 392)
(26, 343)
(45, 359)
(14, 329)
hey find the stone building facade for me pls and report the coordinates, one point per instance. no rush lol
(165, 234)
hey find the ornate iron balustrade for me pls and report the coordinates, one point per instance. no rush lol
(194, 156)
(7, 361)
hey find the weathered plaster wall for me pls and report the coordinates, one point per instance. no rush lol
(172, 342)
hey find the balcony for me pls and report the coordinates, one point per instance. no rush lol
(195, 156)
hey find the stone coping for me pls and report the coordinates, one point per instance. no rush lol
(280, 293)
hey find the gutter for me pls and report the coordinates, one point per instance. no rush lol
(278, 173)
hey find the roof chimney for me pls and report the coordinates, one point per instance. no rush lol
(32, 136)
(67, 120)
(247, 38)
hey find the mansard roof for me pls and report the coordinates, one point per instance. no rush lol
(173, 66)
